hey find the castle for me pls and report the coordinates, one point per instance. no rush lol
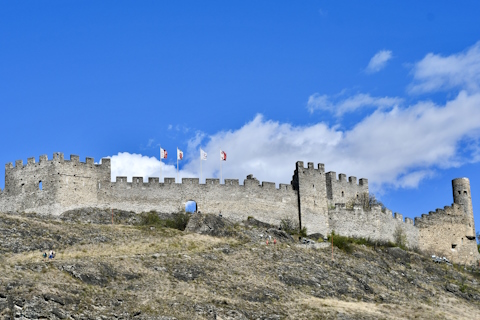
(315, 199)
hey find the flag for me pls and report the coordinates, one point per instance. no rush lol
(163, 153)
(203, 155)
(179, 154)
(223, 155)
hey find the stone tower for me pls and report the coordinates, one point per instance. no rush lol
(310, 185)
(463, 197)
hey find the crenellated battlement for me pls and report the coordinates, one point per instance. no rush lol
(373, 223)
(55, 176)
(311, 166)
(448, 212)
(228, 183)
(332, 175)
(57, 158)
(342, 190)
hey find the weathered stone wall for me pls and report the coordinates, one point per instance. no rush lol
(264, 202)
(343, 190)
(371, 224)
(444, 233)
(53, 186)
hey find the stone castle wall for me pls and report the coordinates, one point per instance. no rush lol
(313, 198)
(342, 190)
(238, 202)
(371, 224)
(50, 186)
(444, 232)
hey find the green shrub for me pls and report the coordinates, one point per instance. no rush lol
(341, 242)
(150, 219)
(178, 221)
(400, 237)
(289, 226)
(346, 243)
(303, 232)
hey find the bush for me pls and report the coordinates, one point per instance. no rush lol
(366, 201)
(303, 232)
(346, 243)
(289, 226)
(400, 237)
(179, 220)
(151, 219)
(341, 242)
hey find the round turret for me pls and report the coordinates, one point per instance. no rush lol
(463, 197)
(461, 194)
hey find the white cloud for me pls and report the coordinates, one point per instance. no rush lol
(137, 165)
(398, 147)
(435, 72)
(350, 104)
(379, 61)
(393, 146)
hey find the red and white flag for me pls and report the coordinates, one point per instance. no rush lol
(179, 154)
(223, 155)
(163, 153)
(203, 155)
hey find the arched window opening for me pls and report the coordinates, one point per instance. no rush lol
(465, 193)
(191, 206)
(343, 193)
(40, 186)
(459, 192)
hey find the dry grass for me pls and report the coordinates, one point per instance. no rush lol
(230, 279)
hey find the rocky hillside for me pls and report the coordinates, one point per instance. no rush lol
(216, 269)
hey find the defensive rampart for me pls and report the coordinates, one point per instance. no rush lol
(373, 224)
(317, 200)
(231, 199)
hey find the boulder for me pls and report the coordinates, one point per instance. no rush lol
(280, 235)
(209, 224)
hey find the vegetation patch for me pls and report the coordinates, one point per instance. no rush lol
(291, 227)
(178, 220)
(346, 243)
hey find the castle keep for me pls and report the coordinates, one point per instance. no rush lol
(315, 198)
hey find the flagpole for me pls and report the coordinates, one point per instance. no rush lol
(220, 166)
(160, 164)
(200, 166)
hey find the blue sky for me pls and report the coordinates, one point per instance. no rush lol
(389, 91)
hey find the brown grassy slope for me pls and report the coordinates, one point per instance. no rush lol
(138, 272)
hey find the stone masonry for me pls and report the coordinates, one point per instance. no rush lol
(315, 199)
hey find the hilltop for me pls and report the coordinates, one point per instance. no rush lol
(141, 269)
